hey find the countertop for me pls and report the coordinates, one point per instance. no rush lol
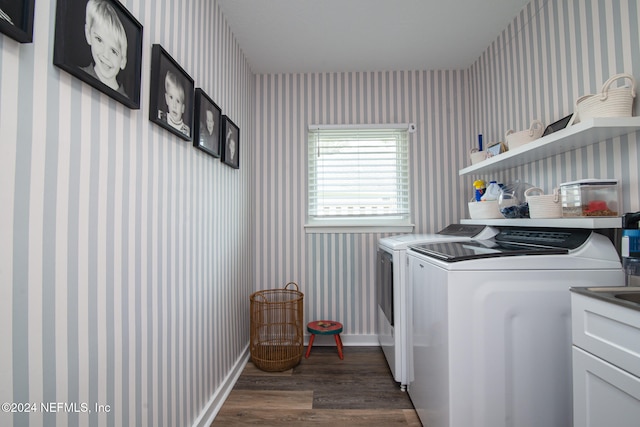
(611, 294)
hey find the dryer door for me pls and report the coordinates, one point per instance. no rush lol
(384, 284)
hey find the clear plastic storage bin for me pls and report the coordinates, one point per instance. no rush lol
(590, 197)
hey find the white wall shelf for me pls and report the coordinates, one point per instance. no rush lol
(582, 222)
(579, 135)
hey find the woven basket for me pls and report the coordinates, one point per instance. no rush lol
(543, 205)
(518, 139)
(277, 340)
(477, 156)
(616, 102)
(484, 210)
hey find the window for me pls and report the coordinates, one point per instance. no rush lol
(358, 177)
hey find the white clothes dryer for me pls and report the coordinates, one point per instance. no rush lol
(391, 289)
(490, 335)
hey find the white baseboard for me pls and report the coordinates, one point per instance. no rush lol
(217, 400)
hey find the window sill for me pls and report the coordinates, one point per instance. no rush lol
(342, 228)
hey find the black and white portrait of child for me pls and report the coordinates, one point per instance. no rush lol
(11, 11)
(209, 129)
(16, 19)
(100, 42)
(175, 101)
(232, 146)
(107, 39)
(231, 154)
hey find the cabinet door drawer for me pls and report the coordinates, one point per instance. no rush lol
(603, 395)
(607, 330)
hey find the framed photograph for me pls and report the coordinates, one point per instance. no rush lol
(496, 148)
(16, 19)
(556, 126)
(230, 143)
(100, 42)
(207, 124)
(171, 94)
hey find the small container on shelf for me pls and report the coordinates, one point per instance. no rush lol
(484, 210)
(590, 197)
(477, 156)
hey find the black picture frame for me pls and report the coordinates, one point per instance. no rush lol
(496, 148)
(74, 54)
(16, 19)
(230, 140)
(556, 126)
(207, 124)
(167, 74)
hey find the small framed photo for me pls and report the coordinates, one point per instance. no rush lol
(16, 19)
(171, 94)
(207, 124)
(100, 42)
(496, 148)
(230, 143)
(556, 126)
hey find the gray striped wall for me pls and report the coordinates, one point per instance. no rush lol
(125, 254)
(552, 52)
(336, 270)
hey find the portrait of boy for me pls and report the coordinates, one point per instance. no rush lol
(171, 97)
(230, 152)
(107, 39)
(5, 17)
(174, 97)
(100, 43)
(209, 130)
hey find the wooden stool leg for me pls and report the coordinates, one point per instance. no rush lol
(309, 347)
(339, 345)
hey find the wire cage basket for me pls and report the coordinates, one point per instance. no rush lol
(277, 340)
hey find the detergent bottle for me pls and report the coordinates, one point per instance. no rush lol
(479, 186)
(492, 192)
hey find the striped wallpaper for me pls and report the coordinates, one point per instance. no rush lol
(335, 270)
(126, 256)
(552, 52)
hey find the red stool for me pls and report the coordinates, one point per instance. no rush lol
(325, 327)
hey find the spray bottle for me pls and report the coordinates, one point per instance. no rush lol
(479, 186)
(630, 248)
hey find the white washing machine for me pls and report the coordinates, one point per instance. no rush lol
(391, 289)
(491, 329)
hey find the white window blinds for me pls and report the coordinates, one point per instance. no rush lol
(359, 173)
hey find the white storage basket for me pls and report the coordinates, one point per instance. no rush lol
(616, 102)
(518, 139)
(477, 156)
(484, 210)
(543, 205)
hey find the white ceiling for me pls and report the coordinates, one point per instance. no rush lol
(365, 35)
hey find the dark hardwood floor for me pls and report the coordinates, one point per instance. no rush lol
(321, 391)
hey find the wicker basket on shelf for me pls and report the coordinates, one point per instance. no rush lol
(543, 205)
(277, 340)
(611, 102)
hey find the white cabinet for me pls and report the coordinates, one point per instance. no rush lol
(606, 363)
(603, 394)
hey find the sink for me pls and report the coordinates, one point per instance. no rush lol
(630, 296)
